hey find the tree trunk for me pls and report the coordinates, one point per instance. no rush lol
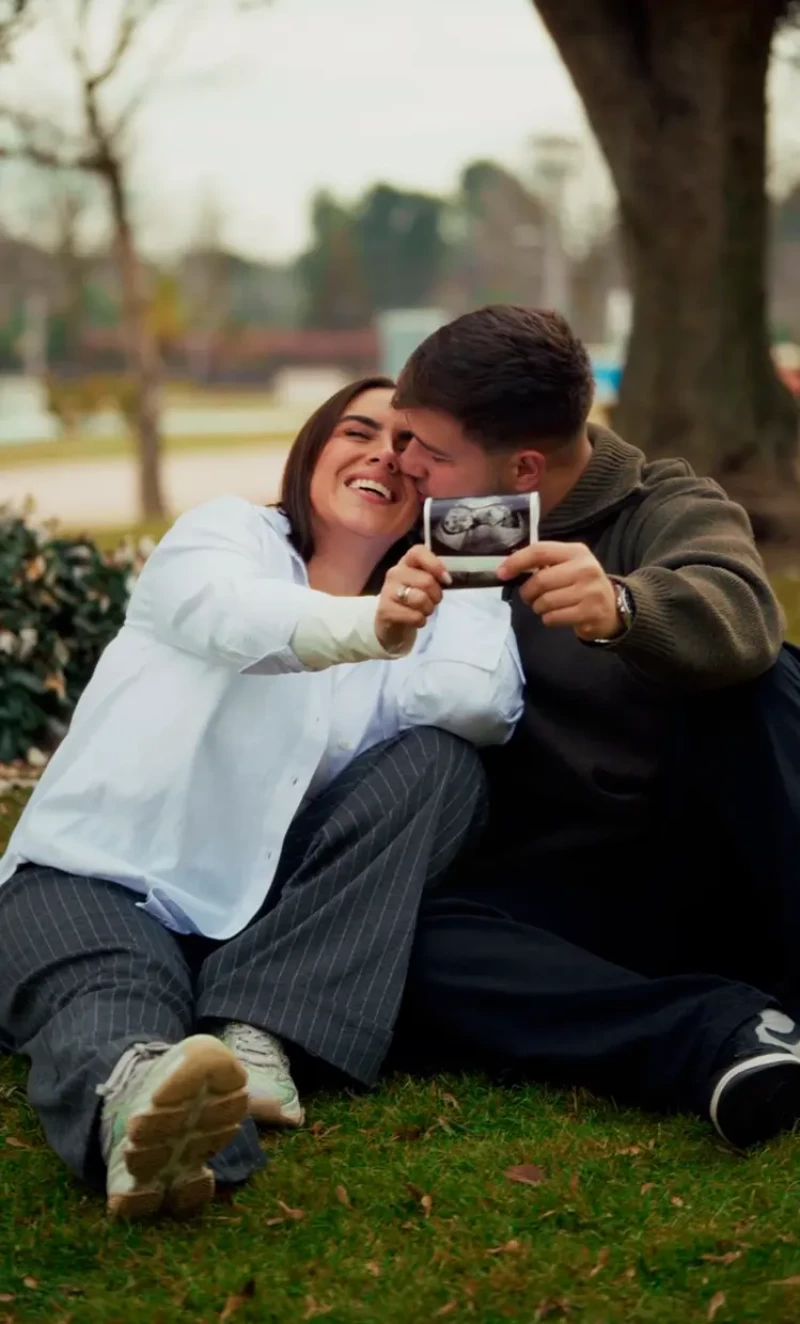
(142, 351)
(675, 92)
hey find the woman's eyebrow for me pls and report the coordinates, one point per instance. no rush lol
(361, 418)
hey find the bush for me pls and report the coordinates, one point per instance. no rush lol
(61, 601)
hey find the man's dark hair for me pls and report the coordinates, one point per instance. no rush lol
(507, 374)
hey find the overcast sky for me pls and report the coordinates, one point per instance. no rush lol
(257, 112)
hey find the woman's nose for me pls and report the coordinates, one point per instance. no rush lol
(386, 455)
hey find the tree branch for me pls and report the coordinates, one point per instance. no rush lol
(43, 144)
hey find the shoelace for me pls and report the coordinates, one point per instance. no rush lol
(258, 1048)
(128, 1066)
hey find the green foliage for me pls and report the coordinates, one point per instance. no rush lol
(386, 251)
(402, 250)
(61, 601)
(331, 272)
(73, 402)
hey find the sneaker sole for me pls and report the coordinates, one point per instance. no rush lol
(747, 1110)
(268, 1112)
(195, 1112)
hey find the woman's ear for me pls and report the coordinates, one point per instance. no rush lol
(527, 471)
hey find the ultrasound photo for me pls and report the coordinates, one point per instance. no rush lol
(474, 535)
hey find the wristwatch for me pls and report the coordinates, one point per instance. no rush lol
(626, 610)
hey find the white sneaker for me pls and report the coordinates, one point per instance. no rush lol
(166, 1110)
(274, 1100)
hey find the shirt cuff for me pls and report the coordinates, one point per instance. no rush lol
(341, 630)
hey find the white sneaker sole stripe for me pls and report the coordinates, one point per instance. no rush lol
(741, 1069)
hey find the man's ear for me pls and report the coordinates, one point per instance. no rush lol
(527, 471)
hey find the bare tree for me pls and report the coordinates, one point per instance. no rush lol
(205, 284)
(101, 146)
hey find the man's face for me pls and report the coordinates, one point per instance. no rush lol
(444, 463)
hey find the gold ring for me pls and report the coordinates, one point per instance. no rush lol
(402, 593)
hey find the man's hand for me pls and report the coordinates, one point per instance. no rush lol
(568, 586)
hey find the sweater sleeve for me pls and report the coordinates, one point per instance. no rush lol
(705, 614)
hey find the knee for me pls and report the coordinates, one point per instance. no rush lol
(450, 757)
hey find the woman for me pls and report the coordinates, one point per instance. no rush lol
(267, 768)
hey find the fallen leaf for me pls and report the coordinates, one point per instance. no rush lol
(445, 1125)
(32, 1283)
(629, 1273)
(320, 1131)
(602, 1261)
(409, 1133)
(448, 1309)
(633, 1150)
(373, 1267)
(574, 1183)
(508, 1248)
(730, 1257)
(426, 1201)
(296, 1214)
(16, 1144)
(552, 1307)
(5, 1297)
(274, 1222)
(315, 1308)
(527, 1174)
(648, 1186)
(677, 1201)
(239, 1299)
(343, 1197)
(548, 1213)
(716, 1304)
(794, 1281)
(452, 1101)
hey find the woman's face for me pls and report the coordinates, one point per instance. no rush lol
(357, 484)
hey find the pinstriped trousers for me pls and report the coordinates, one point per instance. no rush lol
(85, 974)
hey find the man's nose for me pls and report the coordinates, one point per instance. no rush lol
(412, 460)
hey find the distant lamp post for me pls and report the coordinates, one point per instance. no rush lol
(554, 162)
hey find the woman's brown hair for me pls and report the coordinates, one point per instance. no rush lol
(295, 497)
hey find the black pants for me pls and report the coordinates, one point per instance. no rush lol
(629, 973)
(85, 974)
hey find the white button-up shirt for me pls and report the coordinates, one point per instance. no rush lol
(202, 731)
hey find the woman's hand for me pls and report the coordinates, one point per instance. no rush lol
(411, 591)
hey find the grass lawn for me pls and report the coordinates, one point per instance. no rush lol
(105, 448)
(398, 1207)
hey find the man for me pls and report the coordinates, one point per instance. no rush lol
(607, 932)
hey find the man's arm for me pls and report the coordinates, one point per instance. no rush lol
(704, 614)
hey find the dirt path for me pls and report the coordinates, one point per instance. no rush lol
(102, 493)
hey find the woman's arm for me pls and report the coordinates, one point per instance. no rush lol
(219, 586)
(464, 674)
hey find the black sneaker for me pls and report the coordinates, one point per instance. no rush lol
(757, 1095)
